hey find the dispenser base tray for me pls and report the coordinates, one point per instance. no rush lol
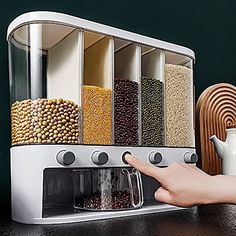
(89, 216)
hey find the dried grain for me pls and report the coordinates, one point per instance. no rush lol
(152, 112)
(126, 112)
(179, 106)
(97, 115)
(39, 121)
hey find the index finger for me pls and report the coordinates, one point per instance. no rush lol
(146, 168)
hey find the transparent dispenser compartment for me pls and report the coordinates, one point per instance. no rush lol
(69, 191)
(97, 89)
(126, 93)
(179, 95)
(70, 86)
(61, 85)
(106, 189)
(152, 97)
(58, 191)
(45, 75)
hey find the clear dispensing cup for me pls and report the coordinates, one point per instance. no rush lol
(107, 189)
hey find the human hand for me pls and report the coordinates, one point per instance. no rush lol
(183, 184)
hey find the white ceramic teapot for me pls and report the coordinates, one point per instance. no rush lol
(227, 151)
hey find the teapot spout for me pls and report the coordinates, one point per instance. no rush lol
(219, 145)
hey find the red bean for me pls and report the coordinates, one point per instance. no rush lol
(126, 112)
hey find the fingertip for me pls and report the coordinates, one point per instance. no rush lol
(128, 157)
(145, 167)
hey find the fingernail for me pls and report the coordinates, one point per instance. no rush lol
(128, 157)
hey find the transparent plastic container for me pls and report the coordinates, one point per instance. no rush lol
(61, 85)
(152, 96)
(127, 93)
(179, 95)
(45, 103)
(84, 83)
(107, 189)
(97, 89)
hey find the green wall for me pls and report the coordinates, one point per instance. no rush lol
(206, 26)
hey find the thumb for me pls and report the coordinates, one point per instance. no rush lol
(163, 195)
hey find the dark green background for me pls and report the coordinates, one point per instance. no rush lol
(206, 26)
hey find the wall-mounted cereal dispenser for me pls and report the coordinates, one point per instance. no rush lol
(82, 95)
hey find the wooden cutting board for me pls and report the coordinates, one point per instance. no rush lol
(215, 110)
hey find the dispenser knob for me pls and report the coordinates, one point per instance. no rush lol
(123, 157)
(66, 158)
(190, 157)
(99, 158)
(155, 157)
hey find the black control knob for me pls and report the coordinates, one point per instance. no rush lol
(99, 158)
(190, 157)
(155, 157)
(66, 158)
